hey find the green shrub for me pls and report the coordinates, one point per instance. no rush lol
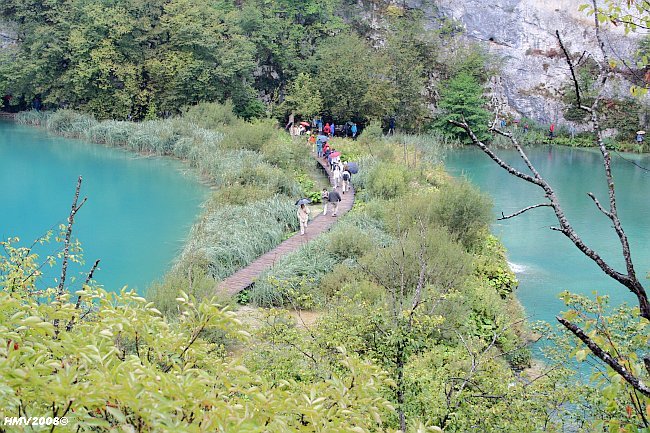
(70, 123)
(250, 136)
(371, 133)
(191, 278)
(491, 266)
(281, 151)
(349, 242)
(346, 283)
(239, 195)
(464, 211)
(211, 115)
(388, 180)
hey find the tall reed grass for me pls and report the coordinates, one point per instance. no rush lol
(230, 237)
(240, 154)
(32, 118)
(294, 279)
(235, 156)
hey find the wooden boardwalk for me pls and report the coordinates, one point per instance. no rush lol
(245, 277)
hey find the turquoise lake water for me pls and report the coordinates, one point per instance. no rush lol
(545, 261)
(138, 214)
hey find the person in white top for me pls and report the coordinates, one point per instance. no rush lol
(303, 217)
(336, 175)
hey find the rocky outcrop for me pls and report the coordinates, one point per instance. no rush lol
(522, 34)
(7, 35)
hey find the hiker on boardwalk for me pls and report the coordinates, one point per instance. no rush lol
(327, 129)
(353, 130)
(311, 141)
(324, 198)
(332, 130)
(345, 179)
(303, 217)
(336, 175)
(333, 198)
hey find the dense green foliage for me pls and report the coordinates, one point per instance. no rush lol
(417, 310)
(430, 232)
(110, 362)
(131, 59)
(461, 99)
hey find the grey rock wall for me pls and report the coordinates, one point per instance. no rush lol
(7, 35)
(522, 34)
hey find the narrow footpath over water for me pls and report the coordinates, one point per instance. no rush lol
(245, 277)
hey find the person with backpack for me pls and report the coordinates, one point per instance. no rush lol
(334, 198)
(345, 177)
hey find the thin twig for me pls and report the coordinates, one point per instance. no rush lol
(505, 217)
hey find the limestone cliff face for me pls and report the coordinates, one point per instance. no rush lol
(7, 34)
(521, 33)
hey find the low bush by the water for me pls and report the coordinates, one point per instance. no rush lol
(210, 115)
(294, 278)
(70, 123)
(32, 117)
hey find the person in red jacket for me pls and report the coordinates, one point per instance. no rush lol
(327, 129)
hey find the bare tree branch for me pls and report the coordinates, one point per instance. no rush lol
(66, 247)
(630, 280)
(493, 155)
(78, 304)
(68, 236)
(571, 68)
(505, 217)
(599, 206)
(606, 357)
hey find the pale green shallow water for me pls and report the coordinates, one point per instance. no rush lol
(545, 261)
(138, 213)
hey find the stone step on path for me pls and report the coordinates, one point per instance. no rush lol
(245, 277)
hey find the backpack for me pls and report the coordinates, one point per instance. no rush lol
(346, 175)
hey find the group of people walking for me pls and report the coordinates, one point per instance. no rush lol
(348, 129)
(340, 176)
